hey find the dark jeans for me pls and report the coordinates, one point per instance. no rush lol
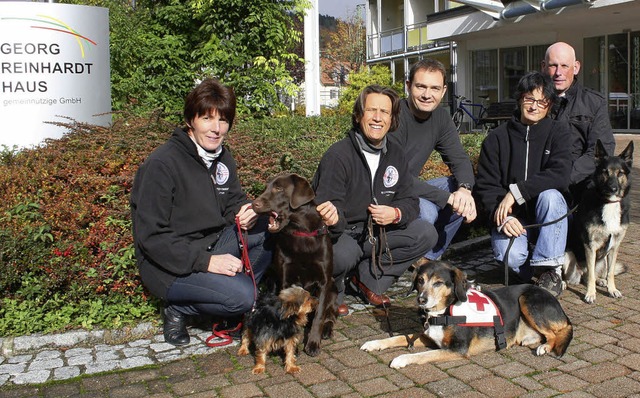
(405, 246)
(205, 293)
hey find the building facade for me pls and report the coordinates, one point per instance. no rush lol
(487, 45)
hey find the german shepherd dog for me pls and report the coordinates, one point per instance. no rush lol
(527, 315)
(277, 324)
(600, 224)
(303, 252)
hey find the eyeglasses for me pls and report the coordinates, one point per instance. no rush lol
(541, 103)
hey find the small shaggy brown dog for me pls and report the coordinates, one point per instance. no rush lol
(277, 323)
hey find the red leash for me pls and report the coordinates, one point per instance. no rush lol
(244, 256)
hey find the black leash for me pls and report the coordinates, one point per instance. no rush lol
(506, 253)
(377, 263)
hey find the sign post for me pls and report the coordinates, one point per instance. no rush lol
(54, 67)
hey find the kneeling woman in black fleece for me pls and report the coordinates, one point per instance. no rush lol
(185, 199)
(523, 176)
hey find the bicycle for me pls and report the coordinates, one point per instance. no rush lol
(466, 106)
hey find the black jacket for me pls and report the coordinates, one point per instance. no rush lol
(178, 208)
(419, 138)
(535, 158)
(343, 177)
(586, 111)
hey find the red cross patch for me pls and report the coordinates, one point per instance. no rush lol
(478, 300)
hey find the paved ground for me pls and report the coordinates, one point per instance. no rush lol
(603, 359)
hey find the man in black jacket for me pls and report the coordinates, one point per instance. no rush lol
(583, 108)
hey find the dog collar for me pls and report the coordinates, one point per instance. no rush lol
(320, 231)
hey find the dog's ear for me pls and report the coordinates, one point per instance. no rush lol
(417, 265)
(459, 284)
(600, 152)
(627, 154)
(288, 309)
(302, 192)
(290, 301)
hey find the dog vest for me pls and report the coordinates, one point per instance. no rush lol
(478, 311)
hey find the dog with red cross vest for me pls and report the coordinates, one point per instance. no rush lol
(461, 321)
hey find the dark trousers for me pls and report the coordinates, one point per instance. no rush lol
(205, 293)
(405, 246)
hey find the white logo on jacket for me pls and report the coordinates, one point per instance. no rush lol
(222, 174)
(390, 177)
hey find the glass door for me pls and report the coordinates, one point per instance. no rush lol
(619, 94)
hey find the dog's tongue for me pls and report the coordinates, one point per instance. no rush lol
(274, 225)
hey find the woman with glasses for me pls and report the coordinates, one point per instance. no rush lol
(523, 176)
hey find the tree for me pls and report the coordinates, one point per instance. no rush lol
(346, 43)
(377, 74)
(159, 49)
(248, 44)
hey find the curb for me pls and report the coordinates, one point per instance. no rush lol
(19, 345)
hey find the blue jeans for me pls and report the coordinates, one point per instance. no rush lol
(550, 241)
(446, 221)
(205, 293)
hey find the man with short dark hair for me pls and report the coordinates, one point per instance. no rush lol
(583, 108)
(424, 126)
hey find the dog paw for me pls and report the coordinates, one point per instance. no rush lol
(564, 285)
(601, 282)
(327, 330)
(371, 346)
(257, 370)
(543, 349)
(312, 348)
(590, 298)
(615, 293)
(400, 361)
(243, 351)
(292, 369)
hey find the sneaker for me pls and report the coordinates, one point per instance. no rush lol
(551, 281)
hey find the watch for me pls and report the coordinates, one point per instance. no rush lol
(465, 185)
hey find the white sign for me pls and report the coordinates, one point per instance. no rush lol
(54, 66)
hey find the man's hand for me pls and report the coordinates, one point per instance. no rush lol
(329, 213)
(462, 202)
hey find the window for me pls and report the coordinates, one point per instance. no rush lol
(513, 68)
(485, 75)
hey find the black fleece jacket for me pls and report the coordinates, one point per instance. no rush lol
(178, 208)
(535, 158)
(343, 177)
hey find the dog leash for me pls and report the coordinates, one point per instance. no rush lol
(224, 335)
(513, 238)
(376, 263)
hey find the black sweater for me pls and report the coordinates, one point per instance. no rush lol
(419, 138)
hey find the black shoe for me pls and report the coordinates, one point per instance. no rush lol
(175, 327)
(551, 281)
